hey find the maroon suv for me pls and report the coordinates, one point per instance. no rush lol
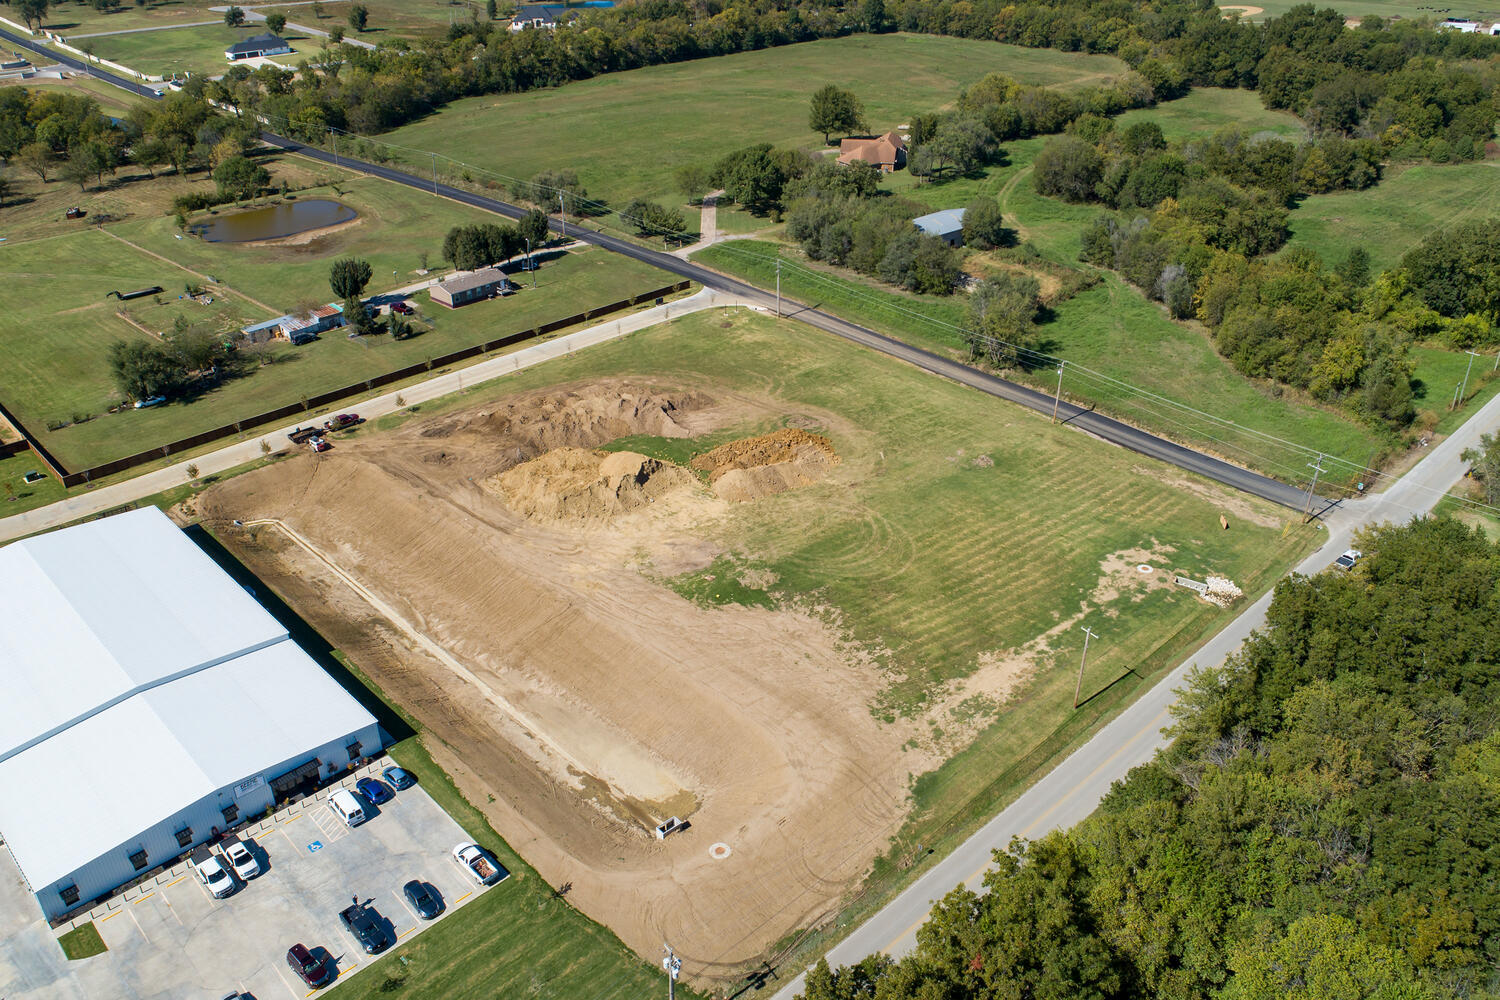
(312, 971)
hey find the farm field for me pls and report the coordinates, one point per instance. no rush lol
(55, 353)
(626, 132)
(112, 100)
(1408, 204)
(819, 660)
(199, 51)
(399, 17)
(1355, 9)
(1205, 110)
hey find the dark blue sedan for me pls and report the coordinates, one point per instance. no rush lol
(398, 777)
(373, 790)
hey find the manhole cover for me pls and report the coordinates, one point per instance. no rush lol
(719, 851)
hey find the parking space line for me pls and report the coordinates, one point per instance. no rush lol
(174, 882)
(460, 899)
(138, 927)
(288, 838)
(404, 933)
(138, 902)
(111, 916)
(292, 819)
(168, 901)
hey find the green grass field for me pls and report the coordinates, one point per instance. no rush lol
(1409, 203)
(1356, 9)
(82, 942)
(394, 17)
(1113, 330)
(1207, 109)
(199, 51)
(625, 132)
(54, 351)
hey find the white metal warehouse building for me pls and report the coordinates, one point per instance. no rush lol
(147, 702)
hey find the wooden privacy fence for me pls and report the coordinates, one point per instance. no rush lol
(244, 424)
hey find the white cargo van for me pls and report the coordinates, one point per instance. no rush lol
(346, 807)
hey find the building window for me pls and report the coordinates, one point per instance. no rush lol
(184, 836)
(231, 813)
(69, 894)
(138, 859)
(353, 749)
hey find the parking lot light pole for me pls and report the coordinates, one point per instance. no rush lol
(673, 965)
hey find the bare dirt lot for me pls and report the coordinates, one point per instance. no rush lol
(486, 570)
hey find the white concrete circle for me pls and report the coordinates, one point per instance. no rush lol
(1145, 568)
(719, 851)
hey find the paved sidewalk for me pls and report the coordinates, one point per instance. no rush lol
(242, 452)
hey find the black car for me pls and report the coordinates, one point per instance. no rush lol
(309, 968)
(422, 899)
(366, 927)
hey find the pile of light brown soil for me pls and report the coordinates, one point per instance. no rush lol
(578, 418)
(575, 484)
(771, 463)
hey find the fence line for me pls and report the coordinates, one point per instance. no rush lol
(70, 479)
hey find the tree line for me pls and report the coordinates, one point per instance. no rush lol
(1326, 824)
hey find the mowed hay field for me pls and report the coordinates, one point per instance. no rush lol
(947, 563)
(196, 50)
(387, 17)
(1409, 204)
(53, 354)
(625, 132)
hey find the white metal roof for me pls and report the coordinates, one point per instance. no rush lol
(949, 220)
(140, 678)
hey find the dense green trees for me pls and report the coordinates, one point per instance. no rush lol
(653, 219)
(1486, 466)
(1326, 824)
(240, 177)
(275, 22)
(471, 247)
(1002, 319)
(984, 229)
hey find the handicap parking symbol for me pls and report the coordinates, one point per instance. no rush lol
(314, 847)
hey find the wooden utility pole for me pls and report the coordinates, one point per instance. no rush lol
(1088, 634)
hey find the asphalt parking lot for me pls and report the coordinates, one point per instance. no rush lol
(171, 939)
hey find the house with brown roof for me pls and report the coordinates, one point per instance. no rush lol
(887, 152)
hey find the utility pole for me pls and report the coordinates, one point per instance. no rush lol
(1057, 400)
(562, 214)
(1088, 634)
(434, 173)
(335, 136)
(778, 287)
(673, 965)
(529, 265)
(1317, 471)
(1465, 389)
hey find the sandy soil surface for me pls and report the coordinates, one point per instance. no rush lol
(579, 701)
(1245, 10)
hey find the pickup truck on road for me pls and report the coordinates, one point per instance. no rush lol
(480, 864)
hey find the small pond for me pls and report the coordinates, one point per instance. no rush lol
(274, 222)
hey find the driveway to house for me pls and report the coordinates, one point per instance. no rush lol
(255, 15)
(1075, 787)
(104, 498)
(708, 226)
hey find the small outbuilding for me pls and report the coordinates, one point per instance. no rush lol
(947, 225)
(887, 152)
(304, 328)
(257, 45)
(150, 703)
(485, 283)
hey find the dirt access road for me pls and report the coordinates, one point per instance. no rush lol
(580, 701)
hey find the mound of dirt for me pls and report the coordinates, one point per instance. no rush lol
(574, 484)
(579, 418)
(768, 464)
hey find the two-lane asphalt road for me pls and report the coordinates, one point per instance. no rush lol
(1074, 788)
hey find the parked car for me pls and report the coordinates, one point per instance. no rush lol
(373, 790)
(422, 899)
(149, 401)
(211, 872)
(319, 444)
(309, 968)
(404, 308)
(240, 858)
(346, 806)
(1348, 559)
(399, 777)
(364, 925)
(342, 420)
(480, 864)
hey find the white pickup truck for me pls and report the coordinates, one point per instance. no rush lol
(211, 871)
(480, 864)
